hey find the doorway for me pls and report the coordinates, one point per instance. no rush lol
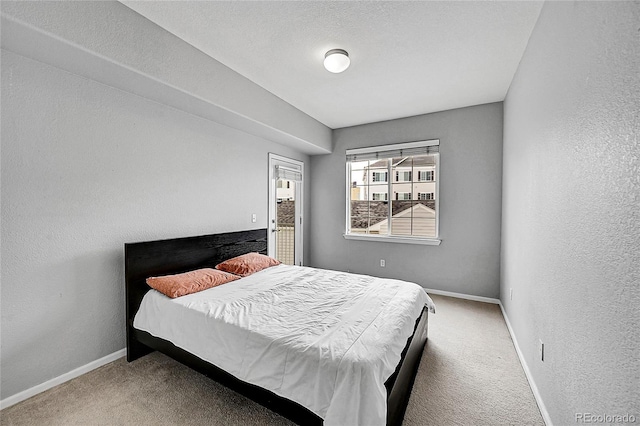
(285, 209)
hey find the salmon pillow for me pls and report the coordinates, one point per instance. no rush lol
(190, 282)
(247, 264)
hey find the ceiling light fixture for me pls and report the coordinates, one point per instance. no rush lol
(336, 60)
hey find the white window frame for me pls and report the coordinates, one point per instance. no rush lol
(393, 238)
(404, 196)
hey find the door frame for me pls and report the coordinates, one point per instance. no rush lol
(274, 160)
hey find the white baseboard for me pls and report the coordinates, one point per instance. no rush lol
(463, 296)
(21, 396)
(527, 372)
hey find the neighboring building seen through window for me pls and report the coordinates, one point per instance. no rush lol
(407, 205)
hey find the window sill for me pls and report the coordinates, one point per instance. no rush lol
(388, 239)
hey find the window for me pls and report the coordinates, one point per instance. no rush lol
(379, 196)
(379, 176)
(425, 196)
(403, 176)
(412, 214)
(425, 175)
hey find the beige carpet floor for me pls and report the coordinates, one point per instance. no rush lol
(469, 375)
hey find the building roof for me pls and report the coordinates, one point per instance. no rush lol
(418, 161)
(286, 211)
(366, 213)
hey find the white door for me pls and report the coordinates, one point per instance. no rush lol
(285, 209)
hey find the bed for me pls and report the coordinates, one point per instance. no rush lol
(156, 258)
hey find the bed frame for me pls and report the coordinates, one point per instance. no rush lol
(172, 256)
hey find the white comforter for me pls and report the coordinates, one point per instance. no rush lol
(325, 339)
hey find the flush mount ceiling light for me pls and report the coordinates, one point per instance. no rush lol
(336, 60)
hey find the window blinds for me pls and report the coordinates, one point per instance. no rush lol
(393, 151)
(287, 173)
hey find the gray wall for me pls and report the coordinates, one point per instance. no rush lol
(86, 168)
(110, 43)
(571, 192)
(467, 261)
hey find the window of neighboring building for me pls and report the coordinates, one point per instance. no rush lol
(403, 176)
(426, 175)
(379, 176)
(425, 196)
(379, 196)
(412, 216)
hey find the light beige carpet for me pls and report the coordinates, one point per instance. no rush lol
(469, 375)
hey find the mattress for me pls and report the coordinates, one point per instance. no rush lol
(327, 340)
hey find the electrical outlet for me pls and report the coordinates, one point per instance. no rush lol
(511, 294)
(541, 350)
(382, 263)
(254, 218)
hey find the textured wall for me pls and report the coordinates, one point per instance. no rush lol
(468, 259)
(86, 168)
(571, 193)
(109, 43)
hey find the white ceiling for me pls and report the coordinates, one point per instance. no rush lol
(407, 58)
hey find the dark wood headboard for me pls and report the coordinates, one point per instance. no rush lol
(163, 257)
